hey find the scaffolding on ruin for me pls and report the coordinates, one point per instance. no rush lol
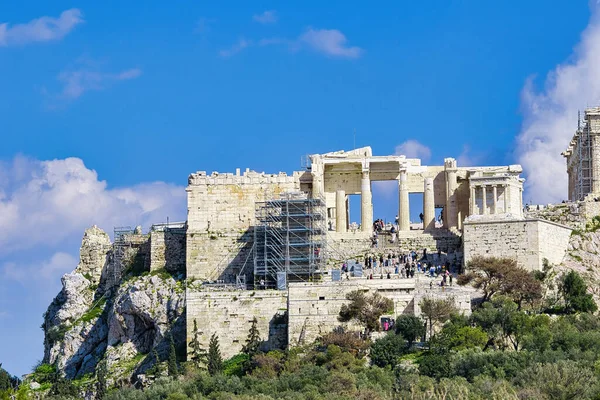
(584, 157)
(289, 240)
(120, 245)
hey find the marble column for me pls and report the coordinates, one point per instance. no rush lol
(340, 211)
(403, 205)
(366, 204)
(484, 202)
(505, 198)
(495, 199)
(451, 209)
(428, 205)
(473, 200)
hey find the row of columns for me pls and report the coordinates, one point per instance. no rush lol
(484, 208)
(403, 205)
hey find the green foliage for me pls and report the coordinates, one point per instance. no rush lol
(215, 361)
(101, 373)
(95, 311)
(172, 367)
(6, 380)
(44, 373)
(410, 328)
(388, 350)
(563, 379)
(574, 292)
(198, 355)
(365, 309)
(64, 388)
(57, 333)
(437, 311)
(235, 365)
(253, 340)
(502, 276)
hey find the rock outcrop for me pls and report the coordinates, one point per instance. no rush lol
(122, 323)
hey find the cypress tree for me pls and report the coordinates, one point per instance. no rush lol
(101, 384)
(198, 353)
(253, 341)
(172, 363)
(215, 361)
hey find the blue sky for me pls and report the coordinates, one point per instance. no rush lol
(106, 109)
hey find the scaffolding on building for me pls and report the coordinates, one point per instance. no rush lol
(584, 157)
(120, 246)
(289, 240)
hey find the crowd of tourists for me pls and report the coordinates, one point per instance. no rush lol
(399, 265)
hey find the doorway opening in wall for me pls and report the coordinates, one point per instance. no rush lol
(354, 214)
(415, 201)
(385, 200)
(439, 217)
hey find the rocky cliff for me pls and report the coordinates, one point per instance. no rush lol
(112, 307)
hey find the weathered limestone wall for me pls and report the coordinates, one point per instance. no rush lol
(223, 206)
(229, 315)
(167, 250)
(93, 254)
(553, 240)
(314, 307)
(528, 241)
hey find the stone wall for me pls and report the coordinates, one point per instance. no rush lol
(528, 241)
(221, 214)
(167, 250)
(229, 314)
(314, 307)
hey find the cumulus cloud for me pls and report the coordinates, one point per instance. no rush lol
(77, 82)
(413, 149)
(43, 29)
(267, 17)
(59, 264)
(46, 202)
(550, 115)
(330, 42)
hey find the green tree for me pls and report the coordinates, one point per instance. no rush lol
(387, 350)
(457, 334)
(365, 309)
(493, 275)
(101, 380)
(215, 361)
(64, 388)
(172, 362)
(564, 379)
(437, 311)
(575, 295)
(253, 340)
(198, 356)
(5, 379)
(410, 328)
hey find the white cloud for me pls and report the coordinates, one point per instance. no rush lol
(267, 17)
(236, 48)
(47, 202)
(59, 264)
(413, 149)
(77, 82)
(550, 115)
(43, 29)
(330, 42)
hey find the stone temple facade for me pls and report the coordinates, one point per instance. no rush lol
(583, 158)
(483, 215)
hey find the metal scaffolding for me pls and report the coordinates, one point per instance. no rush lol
(584, 156)
(289, 240)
